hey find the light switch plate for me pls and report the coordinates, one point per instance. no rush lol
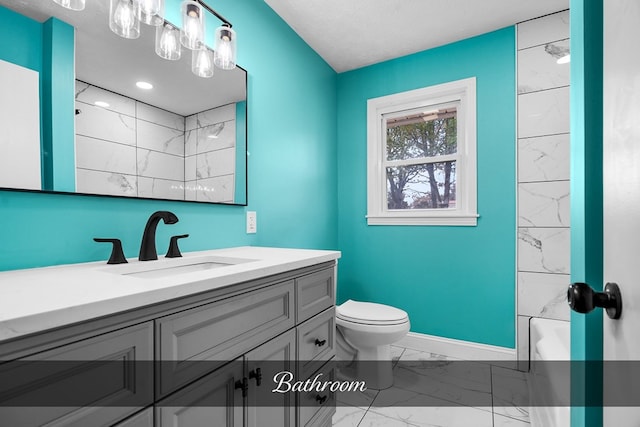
(252, 222)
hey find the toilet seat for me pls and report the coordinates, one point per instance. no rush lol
(369, 313)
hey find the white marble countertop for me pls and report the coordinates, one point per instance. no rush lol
(38, 299)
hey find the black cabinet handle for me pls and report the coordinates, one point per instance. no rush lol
(320, 343)
(174, 250)
(244, 385)
(583, 299)
(257, 374)
(321, 399)
(117, 255)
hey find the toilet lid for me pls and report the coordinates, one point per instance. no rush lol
(370, 313)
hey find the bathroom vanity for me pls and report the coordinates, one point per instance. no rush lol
(180, 342)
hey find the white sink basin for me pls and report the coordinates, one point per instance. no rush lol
(173, 266)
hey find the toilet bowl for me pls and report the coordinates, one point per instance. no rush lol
(365, 333)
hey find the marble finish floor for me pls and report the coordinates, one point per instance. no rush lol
(425, 389)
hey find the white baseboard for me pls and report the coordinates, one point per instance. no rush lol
(465, 350)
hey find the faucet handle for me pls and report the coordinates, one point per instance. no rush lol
(174, 250)
(117, 255)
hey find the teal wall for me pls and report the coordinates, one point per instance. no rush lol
(455, 282)
(292, 163)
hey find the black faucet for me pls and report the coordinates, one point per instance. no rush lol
(148, 246)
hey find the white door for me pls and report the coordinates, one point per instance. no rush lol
(621, 162)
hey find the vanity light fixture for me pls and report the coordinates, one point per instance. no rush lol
(123, 20)
(125, 17)
(71, 4)
(192, 31)
(564, 60)
(150, 12)
(202, 62)
(225, 48)
(168, 42)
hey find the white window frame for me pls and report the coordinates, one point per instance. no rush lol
(463, 94)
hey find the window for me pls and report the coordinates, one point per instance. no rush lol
(422, 156)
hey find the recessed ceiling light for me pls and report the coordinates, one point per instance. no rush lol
(101, 104)
(144, 85)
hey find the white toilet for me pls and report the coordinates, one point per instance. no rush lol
(366, 331)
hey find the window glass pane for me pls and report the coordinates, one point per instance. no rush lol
(422, 134)
(424, 186)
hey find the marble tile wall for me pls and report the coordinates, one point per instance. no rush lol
(210, 155)
(127, 148)
(543, 173)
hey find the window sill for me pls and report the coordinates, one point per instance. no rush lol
(469, 220)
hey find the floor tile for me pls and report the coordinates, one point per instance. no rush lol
(348, 416)
(510, 393)
(396, 353)
(465, 383)
(502, 421)
(424, 410)
(372, 419)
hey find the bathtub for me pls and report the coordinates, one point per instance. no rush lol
(550, 340)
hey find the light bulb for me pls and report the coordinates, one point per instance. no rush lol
(202, 62)
(168, 42)
(225, 48)
(192, 32)
(150, 7)
(122, 19)
(150, 12)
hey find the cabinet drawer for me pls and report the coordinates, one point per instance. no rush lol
(94, 382)
(316, 342)
(315, 293)
(316, 408)
(218, 332)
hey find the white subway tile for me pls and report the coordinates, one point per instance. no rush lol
(538, 68)
(106, 156)
(543, 113)
(544, 30)
(543, 204)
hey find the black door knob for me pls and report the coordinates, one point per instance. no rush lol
(583, 299)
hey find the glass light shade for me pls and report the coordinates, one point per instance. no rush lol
(225, 48)
(202, 62)
(150, 12)
(123, 20)
(71, 4)
(192, 31)
(168, 42)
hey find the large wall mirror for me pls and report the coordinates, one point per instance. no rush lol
(184, 139)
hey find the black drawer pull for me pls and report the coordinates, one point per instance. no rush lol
(320, 343)
(257, 374)
(244, 385)
(321, 399)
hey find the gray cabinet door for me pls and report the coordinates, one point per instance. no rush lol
(214, 400)
(94, 382)
(196, 341)
(265, 407)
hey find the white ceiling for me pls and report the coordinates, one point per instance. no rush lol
(350, 34)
